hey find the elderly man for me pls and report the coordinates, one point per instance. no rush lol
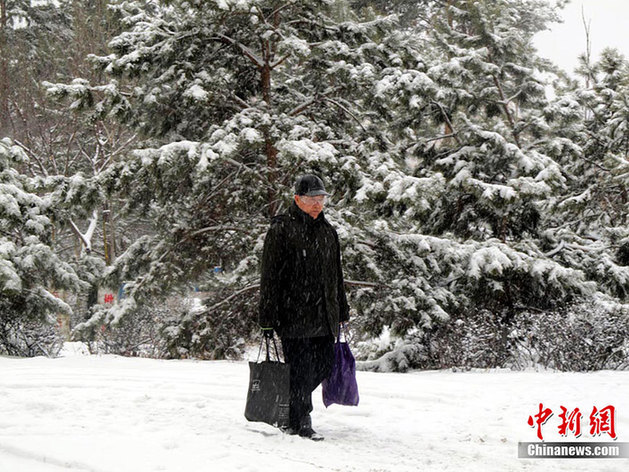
(302, 295)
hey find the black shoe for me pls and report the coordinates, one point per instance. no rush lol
(289, 430)
(308, 432)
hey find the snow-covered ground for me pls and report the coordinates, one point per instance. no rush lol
(114, 414)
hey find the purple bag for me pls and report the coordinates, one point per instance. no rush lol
(341, 386)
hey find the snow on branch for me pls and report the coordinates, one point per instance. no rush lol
(86, 238)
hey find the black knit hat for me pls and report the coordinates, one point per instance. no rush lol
(310, 185)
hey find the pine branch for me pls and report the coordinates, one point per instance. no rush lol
(505, 106)
(116, 152)
(244, 49)
(334, 102)
(282, 7)
(595, 164)
(299, 109)
(296, 111)
(368, 244)
(528, 308)
(256, 174)
(557, 250)
(447, 119)
(257, 286)
(231, 297)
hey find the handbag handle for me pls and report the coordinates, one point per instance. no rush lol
(268, 349)
(345, 328)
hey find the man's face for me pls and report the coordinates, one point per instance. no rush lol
(311, 205)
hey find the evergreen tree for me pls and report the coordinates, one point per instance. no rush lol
(30, 271)
(476, 146)
(436, 137)
(49, 41)
(467, 203)
(235, 99)
(33, 38)
(589, 229)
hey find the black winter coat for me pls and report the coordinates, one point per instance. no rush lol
(301, 286)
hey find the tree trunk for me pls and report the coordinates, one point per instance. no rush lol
(509, 115)
(4, 71)
(112, 234)
(105, 239)
(271, 150)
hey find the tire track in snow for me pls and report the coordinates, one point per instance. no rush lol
(45, 459)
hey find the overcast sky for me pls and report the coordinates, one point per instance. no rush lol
(565, 41)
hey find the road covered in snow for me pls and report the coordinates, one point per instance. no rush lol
(115, 414)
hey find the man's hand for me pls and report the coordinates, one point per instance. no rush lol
(267, 333)
(344, 330)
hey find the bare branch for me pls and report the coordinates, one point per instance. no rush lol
(588, 46)
(86, 239)
(123, 145)
(216, 228)
(279, 61)
(296, 111)
(437, 138)
(280, 8)
(113, 154)
(240, 101)
(34, 156)
(356, 283)
(360, 283)
(513, 97)
(92, 227)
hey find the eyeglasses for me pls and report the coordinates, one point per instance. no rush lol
(312, 200)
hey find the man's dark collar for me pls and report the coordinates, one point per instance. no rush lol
(302, 216)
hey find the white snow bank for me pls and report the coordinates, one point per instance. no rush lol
(114, 414)
(74, 349)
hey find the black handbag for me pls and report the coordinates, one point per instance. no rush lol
(269, 394)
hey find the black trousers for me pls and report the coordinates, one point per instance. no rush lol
(310, 361)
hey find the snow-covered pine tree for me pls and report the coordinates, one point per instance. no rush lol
(589, 226)
(433, 139)
(468, 213)
(33, 38)
(47, 40)
(30, 271)
(497, 161)
(233, 100)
